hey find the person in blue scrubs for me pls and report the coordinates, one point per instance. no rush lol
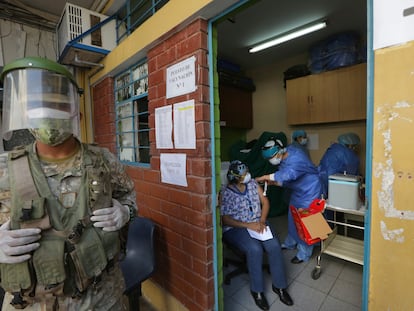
(340, 157)
(300, 140)
(298, 174)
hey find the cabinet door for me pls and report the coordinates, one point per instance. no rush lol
(332, 96)
(298, 100)
(324, 102)
(236, 109)
(352, 90)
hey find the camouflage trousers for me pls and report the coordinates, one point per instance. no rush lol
(107, 296)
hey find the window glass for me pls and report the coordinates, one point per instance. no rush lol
(131, 106)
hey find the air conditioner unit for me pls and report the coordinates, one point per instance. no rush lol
(84, 36)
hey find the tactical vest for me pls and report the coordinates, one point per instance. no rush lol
(72, 253)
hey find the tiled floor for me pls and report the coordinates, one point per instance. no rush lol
(339, 287)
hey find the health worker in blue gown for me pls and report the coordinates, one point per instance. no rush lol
(300, 176)
(340, 157)
(300, 140)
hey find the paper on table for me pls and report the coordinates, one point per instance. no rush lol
(265, 235)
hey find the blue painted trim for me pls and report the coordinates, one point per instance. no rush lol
(81, 47)
(342, 182)
(368, 160)
(213, 162)
(90, 48)
(92, 29)
(75, 44)
(213, 142)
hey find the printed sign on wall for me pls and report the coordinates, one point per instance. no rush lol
(181, 78)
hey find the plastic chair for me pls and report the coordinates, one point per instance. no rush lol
(240, 263)
(139, 262)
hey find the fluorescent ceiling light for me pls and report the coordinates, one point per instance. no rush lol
(304, 30)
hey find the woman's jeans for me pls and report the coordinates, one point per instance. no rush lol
(253, 249)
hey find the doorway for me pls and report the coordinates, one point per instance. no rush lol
(265, 71)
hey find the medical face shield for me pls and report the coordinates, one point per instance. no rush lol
(40, 100)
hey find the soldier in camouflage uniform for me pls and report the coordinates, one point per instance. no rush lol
(64, 204)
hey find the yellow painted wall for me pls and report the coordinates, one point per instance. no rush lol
(172, 15)
(392, 226)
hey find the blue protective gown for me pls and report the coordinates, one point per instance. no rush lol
(337, 159)
(298, 174)
(301, 147)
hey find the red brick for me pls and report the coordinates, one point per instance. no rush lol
(197, 26)
(200, 167)
(183, 216)
(179, 196)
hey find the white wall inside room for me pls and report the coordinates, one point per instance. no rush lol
(17, 41)
(269, 111)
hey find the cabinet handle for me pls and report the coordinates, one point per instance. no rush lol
(311, 99)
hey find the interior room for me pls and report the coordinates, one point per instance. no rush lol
(242, 29)
(257, 96)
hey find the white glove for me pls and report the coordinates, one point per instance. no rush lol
(16, 245)
(111, 218)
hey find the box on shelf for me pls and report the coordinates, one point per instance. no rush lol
(343, 191)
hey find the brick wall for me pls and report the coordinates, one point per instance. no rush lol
(104, 114)
(184, 235)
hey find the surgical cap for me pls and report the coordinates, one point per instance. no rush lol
(298, 133)
(349, 139)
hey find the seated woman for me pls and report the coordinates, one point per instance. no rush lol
(244, 206)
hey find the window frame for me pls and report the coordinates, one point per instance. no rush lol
(131, 94)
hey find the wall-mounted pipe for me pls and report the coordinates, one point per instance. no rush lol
(84, 62)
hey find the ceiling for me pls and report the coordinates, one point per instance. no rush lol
(269, 18)
(238, 31)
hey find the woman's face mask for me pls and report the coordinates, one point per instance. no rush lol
(247, 178)
(303, 141)
(275, 160)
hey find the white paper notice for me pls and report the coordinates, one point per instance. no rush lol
(265, 235)
(393, 22)
(173, 168)
(313, 142)
(181, 78)
(163, 127)
(184, 125)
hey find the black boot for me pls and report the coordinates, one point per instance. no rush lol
(260, 300)
(283, 295)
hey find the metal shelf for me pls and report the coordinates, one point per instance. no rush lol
(346, 248)
(342, 246)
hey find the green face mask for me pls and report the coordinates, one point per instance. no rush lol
(52, 132)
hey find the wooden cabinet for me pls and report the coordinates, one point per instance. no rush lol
(236, 109)
(352, 91)
(332, 96)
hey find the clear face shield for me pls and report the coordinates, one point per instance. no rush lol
(42, 101)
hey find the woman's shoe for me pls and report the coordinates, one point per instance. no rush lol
(283, 295)
(260, 300)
